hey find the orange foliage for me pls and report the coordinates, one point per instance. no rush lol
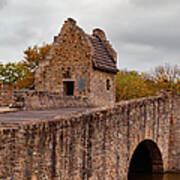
(32, 57)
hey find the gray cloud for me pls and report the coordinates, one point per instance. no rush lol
(155, 3)
(144, 33)
(3, 3)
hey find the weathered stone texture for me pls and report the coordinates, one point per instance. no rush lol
(68, 59)
(37, 100)
(81, 59)
(6, 96)
(98, 86)
(95, 145)
(174, 141)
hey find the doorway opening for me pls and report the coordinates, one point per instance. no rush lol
(68, 88)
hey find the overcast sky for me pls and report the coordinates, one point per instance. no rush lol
(145, 33)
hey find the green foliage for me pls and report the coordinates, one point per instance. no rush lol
(130, 85)
(11, 72)
(21, 75)
(31, 60)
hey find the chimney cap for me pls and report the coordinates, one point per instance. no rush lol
(100, 33)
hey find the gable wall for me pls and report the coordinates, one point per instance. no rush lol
(70, 52)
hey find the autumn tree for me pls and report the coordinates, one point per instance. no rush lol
(26, 80)
(34, 54)
(167, 77)
(130, 85)
(30, 62)
(21, 75)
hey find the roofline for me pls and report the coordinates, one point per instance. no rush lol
(105, 47)
(105, 70)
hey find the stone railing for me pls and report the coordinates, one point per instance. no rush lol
(6, 97)
(36, 100)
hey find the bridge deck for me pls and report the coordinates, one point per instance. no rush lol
(29, 116)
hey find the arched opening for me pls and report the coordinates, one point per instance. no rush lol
(146, 159)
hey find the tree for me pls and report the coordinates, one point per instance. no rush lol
(11, 72)
(25, 79)
(34, 54)
(31, 60)
(130, 85)
(21, 75)
(167, 77)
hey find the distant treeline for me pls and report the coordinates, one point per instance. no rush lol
(131, 84)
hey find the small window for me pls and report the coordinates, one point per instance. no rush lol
(108, 86)
(68, 88)
(67, 74)
(81, 84)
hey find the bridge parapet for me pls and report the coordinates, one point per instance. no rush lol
(91, 144)
(174, 140)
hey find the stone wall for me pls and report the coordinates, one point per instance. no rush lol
(97, 144)
(43, 100)
(68, 60)
(6, 96)
(99, 86)
(174, 142)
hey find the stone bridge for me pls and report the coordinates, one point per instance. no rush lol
(108, 143)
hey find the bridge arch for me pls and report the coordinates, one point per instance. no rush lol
(146, 158)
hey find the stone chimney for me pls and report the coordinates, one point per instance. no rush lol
(101, 34)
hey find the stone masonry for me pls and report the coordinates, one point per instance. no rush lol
(174, 141)
(95, 140)
(79, 66)
(6, 95)
(89, 144)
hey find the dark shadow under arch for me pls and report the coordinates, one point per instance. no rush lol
(146, 159)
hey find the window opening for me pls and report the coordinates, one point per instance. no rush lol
(108, 86)
(81, 84)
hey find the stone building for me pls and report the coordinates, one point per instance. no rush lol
(79, 67)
